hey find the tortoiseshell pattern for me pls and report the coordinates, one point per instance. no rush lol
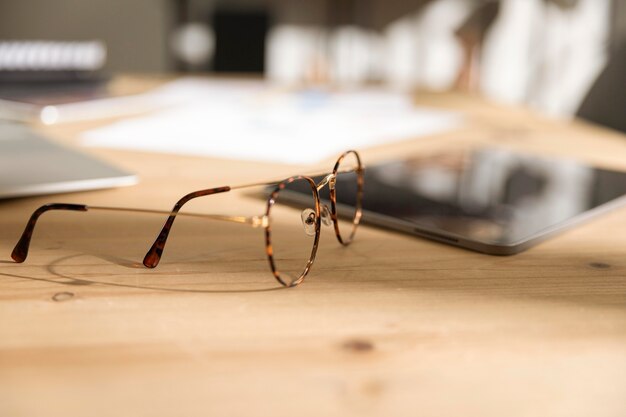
(154, 254)
(20, 252)
(359, 199)
(268, 230)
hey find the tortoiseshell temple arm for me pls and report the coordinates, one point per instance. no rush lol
(152, 258)
(20, 252)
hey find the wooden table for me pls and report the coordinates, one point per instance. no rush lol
(392, 325)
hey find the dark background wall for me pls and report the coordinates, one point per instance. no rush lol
(136, 31)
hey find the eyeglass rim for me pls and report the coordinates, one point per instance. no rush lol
(334, 216)
(359, 203)
(268, 230)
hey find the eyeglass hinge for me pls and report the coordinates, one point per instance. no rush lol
(332, 181)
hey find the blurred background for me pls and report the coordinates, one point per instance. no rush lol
(548, 54)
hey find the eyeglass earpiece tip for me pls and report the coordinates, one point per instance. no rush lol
(151, 260)
(17, 256)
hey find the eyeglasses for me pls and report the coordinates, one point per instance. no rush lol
(299, 202)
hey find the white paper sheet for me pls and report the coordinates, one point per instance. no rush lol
(254, 121)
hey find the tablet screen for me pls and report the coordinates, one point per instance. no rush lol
(488, 195)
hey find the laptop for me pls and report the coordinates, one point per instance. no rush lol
(31, 165)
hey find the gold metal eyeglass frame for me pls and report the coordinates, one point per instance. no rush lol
(154, 254)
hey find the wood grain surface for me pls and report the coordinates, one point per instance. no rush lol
(391, 325)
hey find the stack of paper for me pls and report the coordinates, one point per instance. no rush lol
(254, 121)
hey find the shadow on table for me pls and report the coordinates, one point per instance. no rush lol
(181, 282)
(200, 255)
(211, 257)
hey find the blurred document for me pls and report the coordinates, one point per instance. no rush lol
(255, 121)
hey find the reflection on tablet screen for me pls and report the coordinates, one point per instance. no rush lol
(493, 196)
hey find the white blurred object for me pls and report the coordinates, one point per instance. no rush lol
(422, 50)
(348, 56)
(401, 55)
(354, 56)
(510, 53)
(193, 43)
(295, 54)
(52, 55)
(535, 53)
(440, 55)
(574, 52)
(545, 55)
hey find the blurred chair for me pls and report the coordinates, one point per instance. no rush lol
(471, 35)
(545, 53)
(605, 103)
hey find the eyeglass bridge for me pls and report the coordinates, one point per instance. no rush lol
(330, 179)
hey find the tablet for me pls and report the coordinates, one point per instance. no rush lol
(489, 200)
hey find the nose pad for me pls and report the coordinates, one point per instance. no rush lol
(326, 219)
(309, 219)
